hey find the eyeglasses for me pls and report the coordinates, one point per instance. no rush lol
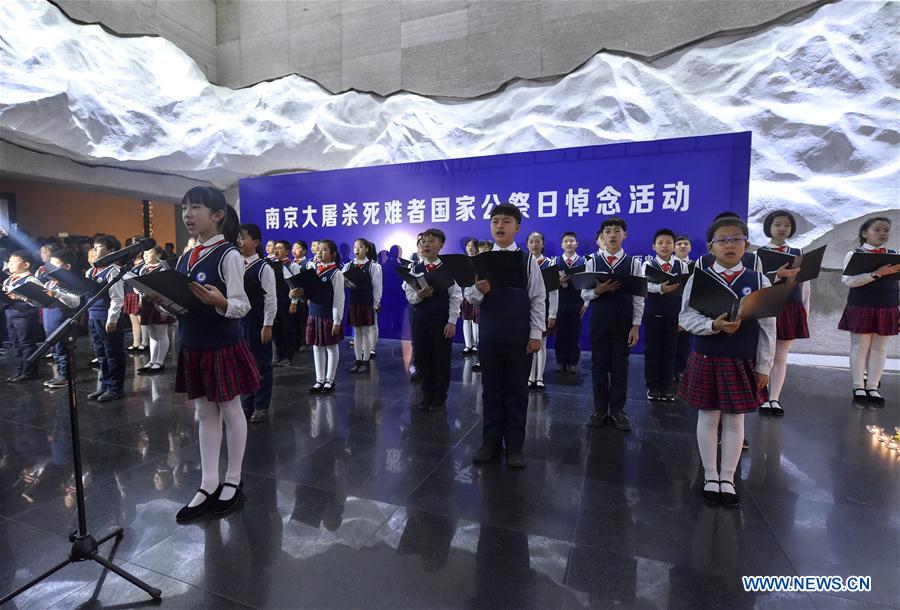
(727, 241)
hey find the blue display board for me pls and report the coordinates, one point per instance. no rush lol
(680, 183)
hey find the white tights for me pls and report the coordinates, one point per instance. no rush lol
(732, 442)
(868, 354)
(539, 362)
(159, 342)
(779, 369)
(364, 338)
(470, 333)
(326, 360)
(210, 416)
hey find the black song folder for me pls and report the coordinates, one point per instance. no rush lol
(308, 280)
(461, 266)
(657, 276)
(502, 268)
(634, 285)
(358, 277)
(551, 278)
(862, 262)
(173, 289)
(36, 293)
(71, 281)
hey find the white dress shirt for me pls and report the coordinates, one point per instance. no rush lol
(70, 300)
(337, 305)
(855, 281)
(270, 301)
(232, 270)
(536, 294)
(696, 323)
(454, 292)
(637, 268)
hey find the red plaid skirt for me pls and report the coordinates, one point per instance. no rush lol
(870, 320)
(220, 374)
(720, 384)
(792, 323)
(132, 306)
(318, 332)
(150, 314)
(361, 315)
(469, 311)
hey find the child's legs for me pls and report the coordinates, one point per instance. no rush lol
(320, 359)
(442, 350)
(334, 356)
(366, 335)
(877, 358)
(653, 338)
(135, 321)
(114, 345)
(97, 329)
(667, 353)
(159, 342)
(540, 361)
(210, 437)
(732, 444)
(517, 362)
(618, 371)
(601, 361)
(357, 344)
(708, 442)
(779, 368)
(467, 333)
(423, 348)
(263, 356)
(859, 353)
(236, 436)
(493, 371)
(145, 335)
(475, 333)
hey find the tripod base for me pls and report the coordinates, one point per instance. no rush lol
(86, 548)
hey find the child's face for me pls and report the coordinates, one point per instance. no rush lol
(472, 248)
(246, 244)
(150, 256)
(270, 247)
(484, 248)
(100, 250)
(18, 265)
(359, 250)
(878, 234)
(200, 220)
(613, 236)
(780, 229)
(297, 251)
(59, 264)
(430, 247)
(324, 253)
(280, 252)
(682, 248)
(569, 244)
(535, 244)
(504, 229)
(45, 254)
(664, 246)
(728, 246)
(315, 248)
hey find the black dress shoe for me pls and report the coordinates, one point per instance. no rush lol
(875, 398)
(728, 499)
(532, 386)
(777, 409)
(713, 498)
(364, 366)
(621, 422)
(315, 389)
(560, 369)
(223, 507)
(327, 388)
(766, 408)
(539, 386)
(438, 405)
(486, 453)
(515, 459)
(476, 366)
(110, 395)
(597, 420)
(190, 513)
(860, 395)
(355, 367)
(95, 395)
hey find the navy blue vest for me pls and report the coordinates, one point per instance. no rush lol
(742, 344)
(362, 295)
(205, 327)
(17, 308)
(505, 313)
(99, 310)
(254, 319)
(322, 304)
(657, 304)
(435, 306)
(880, 293)
(568, 294)
(611, 306)
(796, 295)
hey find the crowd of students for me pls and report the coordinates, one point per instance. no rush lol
(720, 366)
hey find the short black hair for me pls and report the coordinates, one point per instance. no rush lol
(568, 234)
(64, 255)
(432, 232)
(486, 243)
(169, 244)
(614, 221)
(507, 209)
(681, 237)
(112, 244)
(25, 255)
(767, 223)
(865, 226)
(726, 221)
(668, 232)
(301, 243)
(285, 243)
(728, 214)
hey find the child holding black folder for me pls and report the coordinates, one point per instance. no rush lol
(107, 337)
(53, 317)
(729, 368)
(22, 319)
(469, 312)
(662, 305)
(615, 324)
(215, 367)
(434, 312)
(871, 314)
(511, 327)
(551, 303)
(571, 307)
(285, 323)
(326, 310)
(154, 322)
(683, 350)
(363, 300)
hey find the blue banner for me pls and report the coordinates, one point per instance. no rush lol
(680, 183)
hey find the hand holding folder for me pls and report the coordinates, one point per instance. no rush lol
(357, 277)
(634, 285)
(657, 276)
(712, 298)
(34, 292)
(71, 281)
(307, 280)
(168, 288)
(862, 262)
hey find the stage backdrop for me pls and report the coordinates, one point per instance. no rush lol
(679, 183)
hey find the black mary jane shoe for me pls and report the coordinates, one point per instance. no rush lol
(713, 498)
(860, 395)
(532, 386)
(315, 389)
(765, 408)
(728, 499)
(327, 388)
(356, 366)
(875, 398)
(190, 513)
(223, 507)
(539, 385)
(777, 409)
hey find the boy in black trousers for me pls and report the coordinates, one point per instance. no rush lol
(433, 323)
(510, 328)
(22, 320)
(571, 307)
(615, 324)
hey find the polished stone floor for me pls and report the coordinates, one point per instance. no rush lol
(358, 500)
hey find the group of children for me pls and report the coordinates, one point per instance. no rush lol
(225, 346)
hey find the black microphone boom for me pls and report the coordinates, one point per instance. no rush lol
(126, 253)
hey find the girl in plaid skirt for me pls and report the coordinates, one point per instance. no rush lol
(364, 302)
(871, 314)
(539, 361)
(469, 312)
(215, 367)
(154, 323)
(729, 368)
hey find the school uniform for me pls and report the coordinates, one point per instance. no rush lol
(685, 339)
(53, 317)
(22, 324)
(213, 360)
(551, 307)
(510, 317)
(326, 310)
(151, 314)
(263, 309)
(302, 314)
(792, 321)
(132, 304)
(283, 331)
(568, 317)
(661, 329)
(720, 373)
(431, 350)
(612, 314)
(109, 347)
(872, 305)
(362, 300)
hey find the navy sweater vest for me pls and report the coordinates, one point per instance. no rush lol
(205, 327)
(742, 344)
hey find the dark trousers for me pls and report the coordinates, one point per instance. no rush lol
(283, 332)
(24, 333)
(660, 339)
(682, 351)
(432, 355)
(110, 351)
(568, 330)
(60, 356)
(299, 320)
(504, 382)
(262, 355)
(609, 364)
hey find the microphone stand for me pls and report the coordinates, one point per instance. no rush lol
(84, 546)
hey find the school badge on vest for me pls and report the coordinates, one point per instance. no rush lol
(201, 277)
(747, 290)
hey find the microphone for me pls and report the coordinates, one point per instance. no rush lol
(129, 252)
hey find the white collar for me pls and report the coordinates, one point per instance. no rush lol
(720, 269)
(772, 246)
(510, 248)
(357, 261)
(436, 261)
(866, 246)
(684, 261)
(671, 260)
(618, 254)
(251, 259)
(569, 258)
(215, 238)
